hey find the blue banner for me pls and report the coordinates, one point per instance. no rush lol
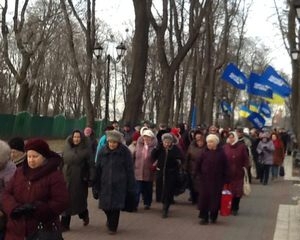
(194, 118)
(278, 84)
(234, 76)
(257, 120)
(226, 107)
(256, 87)
(265, 110)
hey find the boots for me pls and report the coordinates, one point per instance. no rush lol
(165, 211)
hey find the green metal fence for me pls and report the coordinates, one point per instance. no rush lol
(25, 125)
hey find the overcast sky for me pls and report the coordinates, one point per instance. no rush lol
(118, 14)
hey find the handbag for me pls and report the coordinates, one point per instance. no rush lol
(281, 171)
(226, 203)
(246, 185)
(45, 234)
(182, 182)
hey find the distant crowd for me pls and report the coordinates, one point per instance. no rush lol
(41, 190)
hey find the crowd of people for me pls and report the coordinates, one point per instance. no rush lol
(42, 188)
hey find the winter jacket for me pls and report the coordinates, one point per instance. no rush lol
(79, 171)
(45, 188)
(143, 160)
(114, 177)
(265, 151)
(237, 157)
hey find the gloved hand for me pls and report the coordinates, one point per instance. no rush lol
(26, 209)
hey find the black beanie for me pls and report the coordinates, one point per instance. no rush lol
(16, 143)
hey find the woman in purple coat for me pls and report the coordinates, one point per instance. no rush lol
(37, 193)
(237, 156)
(211, 168)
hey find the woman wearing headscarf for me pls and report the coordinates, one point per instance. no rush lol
(237, 156)
(142, 167)
(211, 169)
(169, 158)
(265, 150)
(194, 151)
(278, 155)
(36, 194)
(78, 169)
(114, 180)
(17, 154)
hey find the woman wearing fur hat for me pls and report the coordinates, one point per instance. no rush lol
(265, 150)
(114, 181)
(211, 169)
(237, 156)
(169, 158)
(36, 194)
(142, 167)
(78, 169)
(7, 170)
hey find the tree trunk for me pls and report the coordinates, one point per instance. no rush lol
(24, 97)
(134, 98)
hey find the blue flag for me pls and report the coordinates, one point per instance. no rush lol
(194, 118)
(265, 110)
(234, 76)
(256, 87)
(257, 120)
(278, 84)
(253, 107)
(226, 107)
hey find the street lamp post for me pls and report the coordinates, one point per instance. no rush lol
(98, 49)
(295, 54)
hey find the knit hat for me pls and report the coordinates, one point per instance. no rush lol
(148, 133)
(88, 131)
(142, 130)
(4, 152)
(167, 136)
(16, 143)
(38, 145)
(213, 137)
(114, 135)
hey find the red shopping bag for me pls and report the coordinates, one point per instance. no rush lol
(226, 201)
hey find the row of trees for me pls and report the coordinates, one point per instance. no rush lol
(174, 59)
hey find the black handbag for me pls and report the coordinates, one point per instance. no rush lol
(130, 202)
(182, 182)
(46, 234)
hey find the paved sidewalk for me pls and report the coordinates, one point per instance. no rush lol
(269, 213)
(288, 217)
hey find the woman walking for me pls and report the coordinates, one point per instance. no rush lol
(265, 150)
(36, 194)
(211, 168)
(114, 182)
(142, 167)
(78, 170)
(237, 156)
(169, 159)
(278, 155)
(194, 151)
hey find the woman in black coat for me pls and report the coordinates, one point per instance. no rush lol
(169, 158)
(114, 179)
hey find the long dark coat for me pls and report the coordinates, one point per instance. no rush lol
(238, 158)
(114, 177)
(167, 169)
(211, 169)
(78, 169)
(45, 188)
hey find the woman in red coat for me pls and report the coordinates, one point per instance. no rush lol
(237, 157)
(36, 194)
(278, 155)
